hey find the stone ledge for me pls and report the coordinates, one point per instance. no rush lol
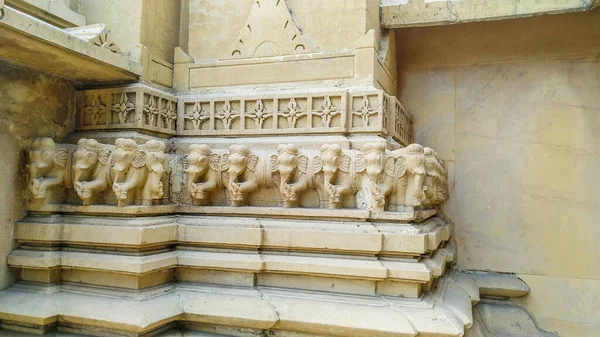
(423, 271)
(347, 237)
(24, 39)
(254, 308)
(499, 285)
(275, 212)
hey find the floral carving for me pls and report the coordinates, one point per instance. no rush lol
(259, 114)
(365, 111)
(326, 111)
(122, 107)
(151, 111)
(293, 112)
(96, 110)
(227, 115)
(168, 114)
(197, 116)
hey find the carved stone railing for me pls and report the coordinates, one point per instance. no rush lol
(373, 178)
(342, 111)
(142, 108)
(136, 107)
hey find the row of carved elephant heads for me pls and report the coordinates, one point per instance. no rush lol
(374, 178)
(137, 174)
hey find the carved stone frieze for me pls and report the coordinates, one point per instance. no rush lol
(372, 178)
(323, 112)
(367, 111)
(135, 107)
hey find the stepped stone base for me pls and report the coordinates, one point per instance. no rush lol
(37, 308)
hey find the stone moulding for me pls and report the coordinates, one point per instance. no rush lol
(343, 236)
(133, 107)
(373, 180)
(343, 111)
(357, 268)
(253, 309)
(140, 107)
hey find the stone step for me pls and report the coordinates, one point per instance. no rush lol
(147, 233)
(352, 274)
(446, 311)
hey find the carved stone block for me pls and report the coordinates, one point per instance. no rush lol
(135, 106)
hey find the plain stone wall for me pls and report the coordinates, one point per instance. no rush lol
(514, 107)
(32, 104)
(153, 23)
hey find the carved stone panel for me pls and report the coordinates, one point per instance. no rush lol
(136, 107)
(253, 114)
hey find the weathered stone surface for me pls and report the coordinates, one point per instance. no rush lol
(33, 104)
(24, 38)
(409, 13)
(264, 309)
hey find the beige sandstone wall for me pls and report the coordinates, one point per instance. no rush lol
(153, 23)
(332, 25)
(32, 104)
(160, 27)
(514, 107)
(123, 19)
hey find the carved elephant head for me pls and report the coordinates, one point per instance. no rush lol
(89, 169)
(86, 159)
(239, 161)
(128, 164)
(202, 171)
(240, 165)
(374, 161)
(332, 161)
(292, 168)
(156, 169)
(380, 168)
(47, 166)
(335, 166)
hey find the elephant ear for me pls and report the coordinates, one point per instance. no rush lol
(400, 166)
(390, 165)
(214, 162)
(360, 162)
(303, 164)
(273, 165)
(103, 156)
(224, 161)
(139, 159)
(317, 164)
(60, 157)
(252, 162)
(345, 164)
